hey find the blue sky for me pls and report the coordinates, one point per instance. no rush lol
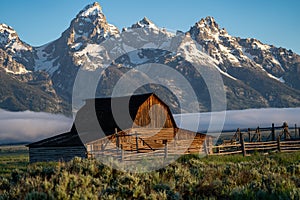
(273, 22)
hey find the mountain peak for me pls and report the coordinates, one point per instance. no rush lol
(7, 33)
(144, 23)
(91, 10)
(207, 29)
(208, 22)
(10, 40)
(4, 26)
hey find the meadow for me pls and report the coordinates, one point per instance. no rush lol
(13, 157)
(259, 176)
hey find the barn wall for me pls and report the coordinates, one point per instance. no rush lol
(149, 140)
(41, 154)
(156, 110)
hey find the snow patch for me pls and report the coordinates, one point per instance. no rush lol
(43, 62)
(192, 54)
(150, 45)
(17, 46)
(275, 61)
(225, 51)
(225, 73)
(258, 45)
(21, 70)
(92, 49)
(281, 80)
(127, 48)
(136, 58)
(113, 30)
(76, 46)
(248, 55)
(272, 76)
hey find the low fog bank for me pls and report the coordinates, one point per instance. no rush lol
(30, 126)
(250, 118)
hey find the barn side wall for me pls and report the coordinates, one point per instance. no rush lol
(44, 154)
(153, 113)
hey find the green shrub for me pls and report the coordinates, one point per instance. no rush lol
(234, 177)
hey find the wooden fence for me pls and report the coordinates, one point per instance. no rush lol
(260, 134)
(138, 144)
(134, 146)
(250, 147)
(168, 151)
(276, 139)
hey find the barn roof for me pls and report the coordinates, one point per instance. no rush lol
(61, 140)
(97, 112)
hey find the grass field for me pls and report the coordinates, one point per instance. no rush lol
(272, 176)
(13, 157)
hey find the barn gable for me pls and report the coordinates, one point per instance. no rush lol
(97, 118)
(154, 113)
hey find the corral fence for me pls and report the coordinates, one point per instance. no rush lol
(136, 146)
(247, 141)
(139, 144)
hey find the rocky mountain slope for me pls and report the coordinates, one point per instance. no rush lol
(20, 87)
(254, 74)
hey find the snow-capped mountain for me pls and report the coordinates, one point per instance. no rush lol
(254, 74)
(60, 58)
(89, 27)
(13, 46)
(273, 72)
(9, 40)
(229, 51)
(21, 87)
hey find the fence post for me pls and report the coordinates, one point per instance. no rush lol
(278, 144)
(122, 153)
(249, 134)
(136, 142)
(210, 145)
(243, 145)
(299, 132)
(285, 130)
(258, 132)
(166, 150)
(117, 140)
(175, 138)
(295, 131)
(273, 132)
(89, 150)
(239, 133)
(205, 147)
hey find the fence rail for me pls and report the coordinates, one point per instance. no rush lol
(250, 147)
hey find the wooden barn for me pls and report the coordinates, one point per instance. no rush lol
(104, 126)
